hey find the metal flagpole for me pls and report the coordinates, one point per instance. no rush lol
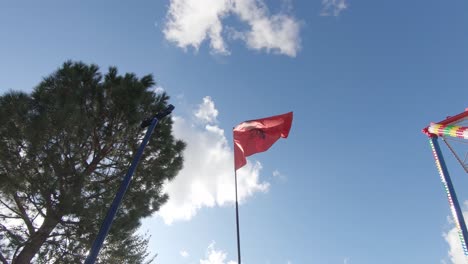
(451, 195)
(105, 227)
(237, 207)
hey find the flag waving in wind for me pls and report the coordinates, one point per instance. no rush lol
(259, 135)
(255, 136)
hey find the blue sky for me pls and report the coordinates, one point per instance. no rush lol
(355, 182)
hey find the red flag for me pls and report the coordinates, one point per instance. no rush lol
(259, 135)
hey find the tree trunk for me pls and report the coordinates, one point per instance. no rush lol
(36, 241)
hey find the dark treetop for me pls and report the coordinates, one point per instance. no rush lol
(64, 149)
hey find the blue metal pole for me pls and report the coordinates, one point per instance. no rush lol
(451, 195)
(105, 227)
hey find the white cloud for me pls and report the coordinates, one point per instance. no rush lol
(207, 179)
(159, 90)
(455, 253)
(278, 175)
(346, 261)
(190, 22)
(214, 256)
(278, 33)
(207, 111)
(184, 254)
(333, 7)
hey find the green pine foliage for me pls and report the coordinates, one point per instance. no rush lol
(64, 150)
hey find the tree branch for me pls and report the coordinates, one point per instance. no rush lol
(47, 200)
(35, 242)
(9, 217)
(24, 215)
(9, 208)
(17, 250)
(105, 181)
(12, 235)
(3, 259)
(68, 223)
(97, 195)
(34, 202)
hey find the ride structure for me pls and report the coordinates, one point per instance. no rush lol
(453, 130)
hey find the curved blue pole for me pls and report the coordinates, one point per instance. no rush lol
(451, 195)
(106, 225)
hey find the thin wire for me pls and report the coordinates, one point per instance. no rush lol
(455, 154)
(459, 140)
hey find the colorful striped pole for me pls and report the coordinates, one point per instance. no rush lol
(448, 130)
(451, 195)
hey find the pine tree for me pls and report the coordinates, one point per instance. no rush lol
(64, 149)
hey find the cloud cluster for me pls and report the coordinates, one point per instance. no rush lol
(279, 176)
(207, 179)
(214, 256)
(184, 254)
(455, 253)
(207, 111)
(333, 7)
(455, 249)
(190, 22)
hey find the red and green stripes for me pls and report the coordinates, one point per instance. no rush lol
(448, 130)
